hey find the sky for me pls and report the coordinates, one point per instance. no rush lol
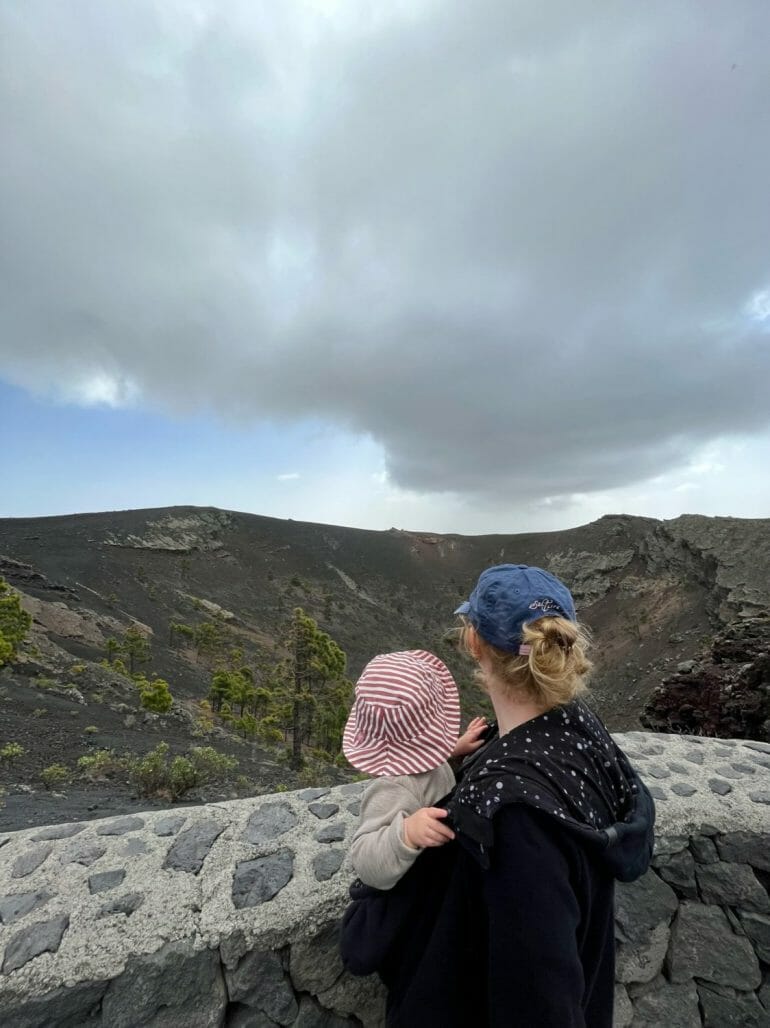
(489, 267)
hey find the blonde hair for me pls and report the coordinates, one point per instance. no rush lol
(553, 672)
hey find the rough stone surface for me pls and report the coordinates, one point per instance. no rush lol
(745, 848)
(683, 789)
(672, 1006)
(757, 928)
(703, 945)
(14, 907)
(720, 787)
(75, 1007)
(268, 822)
(168, 825)
(191, 847)
(104, 880)
(59, 832)
(737, 1011)
(704, 850)
(259, 982)
(312, 1015)
(263, 888)
(85, 852)
(135, 847)
(643, 912)
(30, 942)
(120, 825)
(122, 905)
(257, 881)
(327, 864)
(733, 885)
(679, 871)
(315, 963)
(175, 986)
(623, 1011)
(332, 833)
(312, 794)
(323, 810)
(760, 796)
(30, 861)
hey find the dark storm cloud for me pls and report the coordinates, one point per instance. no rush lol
(514, 243)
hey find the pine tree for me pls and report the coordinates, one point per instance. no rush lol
(14, 622)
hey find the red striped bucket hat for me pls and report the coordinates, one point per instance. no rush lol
(405, 717)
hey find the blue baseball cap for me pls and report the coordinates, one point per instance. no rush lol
(509, 596)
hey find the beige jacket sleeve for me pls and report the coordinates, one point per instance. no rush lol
(378, 851)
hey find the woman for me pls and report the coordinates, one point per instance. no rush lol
(512, 924)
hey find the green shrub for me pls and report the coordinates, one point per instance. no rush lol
(90, 730)
(211, 765)
(10, 752)
(151, 771)
(55, 774)
(39, 712)
(154, 694)
(203, 765)
(181, 776)
(99, 764)
(77, 669)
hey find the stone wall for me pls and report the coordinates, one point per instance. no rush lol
(225, 914)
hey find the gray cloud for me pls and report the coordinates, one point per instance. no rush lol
(514, 244)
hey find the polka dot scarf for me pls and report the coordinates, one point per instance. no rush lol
(564, 763)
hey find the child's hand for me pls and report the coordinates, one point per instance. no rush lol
(424, 828)
(469, 741)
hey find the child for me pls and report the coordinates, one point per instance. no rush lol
(403, 729)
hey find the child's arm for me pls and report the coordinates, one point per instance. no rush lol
(379, 851)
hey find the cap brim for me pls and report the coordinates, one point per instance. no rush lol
(464, 608)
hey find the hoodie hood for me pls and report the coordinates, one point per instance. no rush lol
(565, 764)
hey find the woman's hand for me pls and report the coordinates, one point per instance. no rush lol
(423, 828)
(470, 740)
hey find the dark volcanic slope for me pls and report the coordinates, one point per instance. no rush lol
(653, 592)
(638, 582)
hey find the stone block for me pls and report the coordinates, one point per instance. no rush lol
(675, 1006)
(30, 861)
(362, 997)
(76, 1007)
(757, 928)
(678, 870)
(257, 881)
(623, 1011)
(734, 885)
(18, 905)
(643, 912)
(269, 822)
(191, 847)
(59, 832)
(175, 987)
(332, 833)
(703, 945)
(259, 982)
(741, 1010)
(323, 810)
(104, 880)
(119, 826)
(311, 1015)
(30, 942)
(315, 964)
(703, 849)
(745, 848)
(327, 863)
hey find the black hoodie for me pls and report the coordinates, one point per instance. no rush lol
(512, 924)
